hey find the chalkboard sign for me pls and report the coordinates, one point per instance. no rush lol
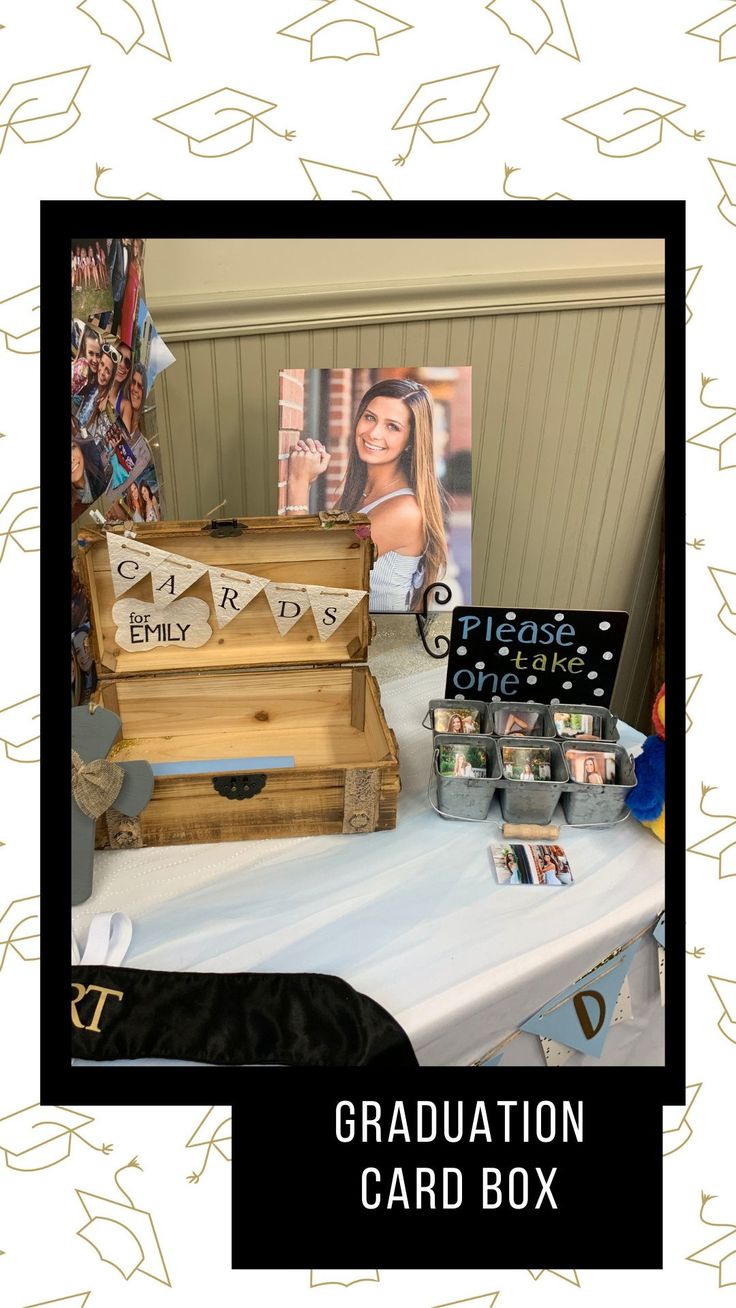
(550, 656)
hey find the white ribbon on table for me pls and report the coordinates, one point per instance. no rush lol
(108, 940)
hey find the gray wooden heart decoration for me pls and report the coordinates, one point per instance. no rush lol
(93, 736)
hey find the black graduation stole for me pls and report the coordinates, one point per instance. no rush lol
(299, 1019)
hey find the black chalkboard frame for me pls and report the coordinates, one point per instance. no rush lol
(547, 656)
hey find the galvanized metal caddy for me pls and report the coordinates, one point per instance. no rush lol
(533, 801)
(489, 715)
(478, 704)
(586, 805)
(497, 711)
(469, 799)
(466, 797)
(609, 721)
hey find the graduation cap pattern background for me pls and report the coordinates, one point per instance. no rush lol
(344, 29)
(719, 432)
(343, 110)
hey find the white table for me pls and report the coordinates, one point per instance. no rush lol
(412, 917)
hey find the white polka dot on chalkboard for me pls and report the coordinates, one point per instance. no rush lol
(496, 699)
(554, 701)
(461, 649)
(480, 666)
(582, 649)
(531, 681)
(598, 691)
(608, 655)
(504, 649)
(559, 617)
(592, 676)
(604, 626)
(459, 697)
(567, 685)
(511, 616)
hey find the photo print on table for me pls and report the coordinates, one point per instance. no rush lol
(456, 721)
(531, 764)
(462, 761)
(394, 443)
(531, 865)
(597, 769)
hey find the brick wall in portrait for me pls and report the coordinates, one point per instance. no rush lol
(291, 422)
(337, 437)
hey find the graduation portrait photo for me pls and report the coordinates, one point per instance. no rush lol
(395, 444)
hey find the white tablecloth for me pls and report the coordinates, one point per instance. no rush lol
(412, 917)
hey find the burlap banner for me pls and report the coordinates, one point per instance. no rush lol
(288, 603)
(331, 607)
(132, 560)
(232, 592)
(171, 575)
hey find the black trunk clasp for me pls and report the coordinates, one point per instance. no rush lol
(244, 786)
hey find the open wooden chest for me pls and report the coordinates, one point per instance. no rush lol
(253, 733)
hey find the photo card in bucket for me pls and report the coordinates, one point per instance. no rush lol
(517, 722)
(459, 721)
(526, 763)
(462, 761)
(586, 726)
(597, 768)
(531, 865)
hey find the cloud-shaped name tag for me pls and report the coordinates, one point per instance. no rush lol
(141, 626)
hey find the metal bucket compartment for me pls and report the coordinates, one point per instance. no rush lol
(532, 801)
(467, 798)
(498, 713)
(609, 728)
(454, 705)
(595, 805)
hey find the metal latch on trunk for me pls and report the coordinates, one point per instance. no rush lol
(224, 527)
(244, 786)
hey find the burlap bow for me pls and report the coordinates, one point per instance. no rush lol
(95, 785)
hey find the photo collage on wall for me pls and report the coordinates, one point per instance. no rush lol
(84, 673)
(395, 444)
(116, 354)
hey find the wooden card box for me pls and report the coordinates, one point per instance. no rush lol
(251, 693)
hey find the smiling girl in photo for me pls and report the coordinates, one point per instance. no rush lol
(391, 477)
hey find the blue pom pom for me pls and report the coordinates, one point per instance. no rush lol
(646, 801)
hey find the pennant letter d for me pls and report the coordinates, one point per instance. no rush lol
(583, 1017)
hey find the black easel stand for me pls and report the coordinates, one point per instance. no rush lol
(442, 594)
